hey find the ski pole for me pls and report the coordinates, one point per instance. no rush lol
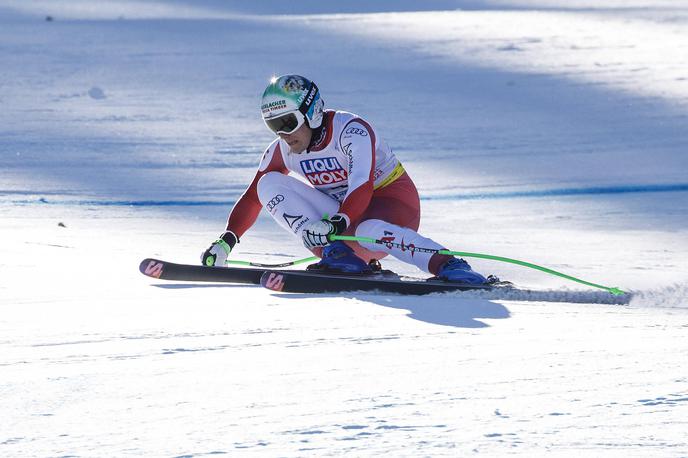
(271, 266)
(614, 290)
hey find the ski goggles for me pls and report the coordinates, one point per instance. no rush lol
(287, 123)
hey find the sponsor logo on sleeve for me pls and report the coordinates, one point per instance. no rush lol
(356, 131)
(323, 171)
(347, 152)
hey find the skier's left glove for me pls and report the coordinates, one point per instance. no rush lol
(317, 234)
(217, 253)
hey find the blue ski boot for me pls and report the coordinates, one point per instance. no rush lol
(339, 257)
(457, 270)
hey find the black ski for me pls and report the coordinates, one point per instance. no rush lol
(164, 270)
(314, 281)
(185, 272)
(300, 281)
(319, 282)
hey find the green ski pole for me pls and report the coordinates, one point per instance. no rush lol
(614, 290)
(271, 266)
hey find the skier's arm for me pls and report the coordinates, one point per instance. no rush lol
(245, 212)
(357, 141)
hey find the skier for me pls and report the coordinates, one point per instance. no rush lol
(350, 184)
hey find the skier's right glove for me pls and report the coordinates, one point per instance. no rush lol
(219, 250)
(318, 234)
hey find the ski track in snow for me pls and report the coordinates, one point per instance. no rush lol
(673, 296)
(561, 295)
(544, 130)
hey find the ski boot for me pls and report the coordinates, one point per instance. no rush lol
(339, 257)
(457, 270)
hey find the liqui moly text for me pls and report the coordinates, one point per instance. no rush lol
(323, 171)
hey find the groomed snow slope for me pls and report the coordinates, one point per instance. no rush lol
(548, 131)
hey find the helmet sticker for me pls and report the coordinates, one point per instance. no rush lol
(272, 106)
(294, 83)
(289, 93)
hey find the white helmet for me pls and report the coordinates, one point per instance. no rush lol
(289, 101)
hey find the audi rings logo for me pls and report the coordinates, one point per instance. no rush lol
(274, 202)
(356, 131)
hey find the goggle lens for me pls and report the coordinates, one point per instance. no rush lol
(285, 124)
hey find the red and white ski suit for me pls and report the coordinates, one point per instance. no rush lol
(349, 171)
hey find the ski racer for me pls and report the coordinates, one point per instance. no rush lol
(330, 173)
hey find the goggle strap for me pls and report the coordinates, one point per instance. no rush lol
(309, 99)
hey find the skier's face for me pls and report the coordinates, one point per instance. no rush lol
(298, 140)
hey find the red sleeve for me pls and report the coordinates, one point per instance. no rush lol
(246, 210)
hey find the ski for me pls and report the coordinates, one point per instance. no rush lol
(302, 281)
(385, 281)
(320, 282)
(164, 270)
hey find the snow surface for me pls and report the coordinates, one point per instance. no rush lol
(550, 131)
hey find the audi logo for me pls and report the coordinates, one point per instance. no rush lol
(274, 201)
(356, 131)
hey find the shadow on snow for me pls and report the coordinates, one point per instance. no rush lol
(443, 309)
